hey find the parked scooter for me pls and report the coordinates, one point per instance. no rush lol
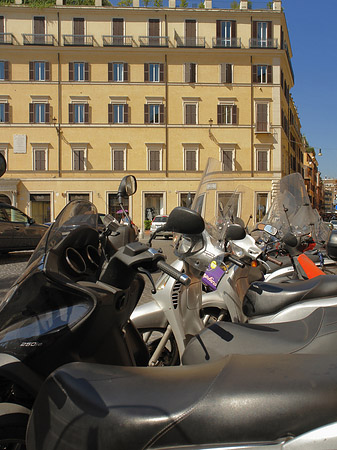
(262, 398)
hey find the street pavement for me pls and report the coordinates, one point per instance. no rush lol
(13, 264)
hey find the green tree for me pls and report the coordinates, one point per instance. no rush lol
(158, 3)
(201, 5)
(183, 3)
(124, 3)
(235, 5)
(250, 5)
(270, 5)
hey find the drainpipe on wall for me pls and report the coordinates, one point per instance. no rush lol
(166, 105)
(251, 121)
(59, 113)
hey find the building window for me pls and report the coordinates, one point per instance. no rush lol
(190, 113)
(154, 113)
(39, 112)
(153, 72)
(190, 159)
(185, 199)
(4, 112)
(78, 113)
(154, 31)
(226, 73)
(261, 206)
(262, 160)
(118, 72)
(79, 159)
(225, 33)
(262, 33)
(118, 159)
(262, 113)
(78, 30)
(227, 158)
(262, 74)
(78, 71)
(39, 159)
(154, 161)
(229, 201)
(4, 71)
(118, 113)
(190, 72)
(39, 71)
(227, 114)
(40, 207)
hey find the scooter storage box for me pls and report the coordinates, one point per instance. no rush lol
(332, 245)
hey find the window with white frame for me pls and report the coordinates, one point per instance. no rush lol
(154, 111)
(118, 156)
(40, 158)
(227, 113)
(79, 158)
(190, 113)
(190, 75)
(261, 206)
(226, 73)
(227, 159)
(262, 160)
(4, 70)
(262, 117)
(4, 111)
(154, 72)
(39, 71)
(39, 111)
(79, 111)
(262, 74)
(78, 71)
(191, 158)
(154, 158)
(229, 201)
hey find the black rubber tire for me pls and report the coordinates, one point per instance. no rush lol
(13, 431)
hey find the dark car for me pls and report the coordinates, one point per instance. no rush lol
(17, 230)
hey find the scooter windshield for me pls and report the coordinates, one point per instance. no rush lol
(76, 213)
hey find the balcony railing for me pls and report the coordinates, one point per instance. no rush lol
(262, 43)
(191, 42)
(6, 38)
(153, 41)
(226, 42)
(82, 40)
(38, 39)
(117, 41)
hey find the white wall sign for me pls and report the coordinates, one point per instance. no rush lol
(20, 143)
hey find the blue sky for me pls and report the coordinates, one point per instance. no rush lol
(312, 27)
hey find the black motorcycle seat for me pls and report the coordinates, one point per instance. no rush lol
(267, 298)
(314, 334)
(238, 399)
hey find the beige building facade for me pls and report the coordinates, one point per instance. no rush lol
(89, 94)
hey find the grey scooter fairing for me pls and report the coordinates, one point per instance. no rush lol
(269, 402)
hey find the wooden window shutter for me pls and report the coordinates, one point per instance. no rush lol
(161, 114)
(126, 113)
(161, 72)
(71, 113)
(110, 113)
(187, 72)
(233, 29)
(126, 72)
(86, 71)
(269, 30)
(110, 71)
(31, 70)
(269, 74)
(193, 73)
(218, 29)
(146, 72)
(6, 70)
(31, 113)
(2, 28)
(220, 114)
(146, 114)
(228, 73)
(47, 113)
(255, 74)
(86, 113)
(234, 115)
(262, 117)
(223, 73)
(254, 30)
(7, 112)
(47, 71)
(71, 71)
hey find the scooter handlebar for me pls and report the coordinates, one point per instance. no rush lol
(275, 261)
(236, 261)
(174, 273)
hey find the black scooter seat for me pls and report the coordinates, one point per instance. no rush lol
(238, 399)
(267, 298)
(315, 334)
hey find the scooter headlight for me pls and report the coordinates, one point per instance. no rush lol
(237, 251)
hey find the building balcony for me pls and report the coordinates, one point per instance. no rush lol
(38, 39)
(82, 40)
(117, 41)
(6, 38)
(263, 43)
(153, 41)
(191, 42)
(226, 42)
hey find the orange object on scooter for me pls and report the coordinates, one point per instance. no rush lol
(309, 267)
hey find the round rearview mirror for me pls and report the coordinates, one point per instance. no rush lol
(128, 186)
(2, 164)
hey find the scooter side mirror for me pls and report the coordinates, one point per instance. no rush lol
(2, 165)
(127, 187)
(270, 230)
(235, 232)
(184, 220)
(290, 240)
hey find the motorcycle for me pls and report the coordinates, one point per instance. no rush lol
(237, 372)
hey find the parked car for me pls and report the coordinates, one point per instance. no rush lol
(334, 223)
(17, 230)
(158, 222)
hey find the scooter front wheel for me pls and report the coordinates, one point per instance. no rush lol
(13, 424)
(169, 355)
